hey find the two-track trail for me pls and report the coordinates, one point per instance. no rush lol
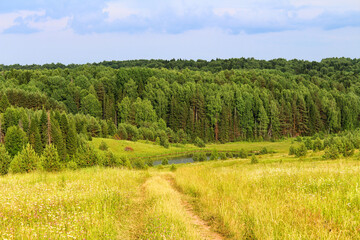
(202, 226)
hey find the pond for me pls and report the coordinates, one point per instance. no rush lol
(178, 160)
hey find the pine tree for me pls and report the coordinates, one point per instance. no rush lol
(50, 160)
(4, 103)
(15, 140)
(71, 140)
(35, 137)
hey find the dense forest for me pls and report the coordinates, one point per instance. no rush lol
(177, 101)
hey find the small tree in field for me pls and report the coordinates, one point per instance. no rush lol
(254, 159)
(301, 151)
(26, 161)
(50, 160)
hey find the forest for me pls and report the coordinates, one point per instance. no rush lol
(174, 101)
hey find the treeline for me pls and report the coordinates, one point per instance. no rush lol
(224, 106)
(294, 66)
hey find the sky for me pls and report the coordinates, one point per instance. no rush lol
(82, 31)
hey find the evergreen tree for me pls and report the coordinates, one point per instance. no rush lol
(50, 160)
(4, 103)
(15, 140)
(71, 140)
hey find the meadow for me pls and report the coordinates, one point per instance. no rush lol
(281, 197)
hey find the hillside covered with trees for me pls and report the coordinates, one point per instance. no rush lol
(176, 101)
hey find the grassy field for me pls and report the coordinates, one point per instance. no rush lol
(281, 197)
(148, 149)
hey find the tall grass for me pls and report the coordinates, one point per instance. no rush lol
(293, 200)
(92, 203)
(165, 216)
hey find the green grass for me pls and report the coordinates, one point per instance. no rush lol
(281, 197)
(93, 203)
(291, 200)
(143, 149)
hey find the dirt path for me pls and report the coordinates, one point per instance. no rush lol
(204, 228)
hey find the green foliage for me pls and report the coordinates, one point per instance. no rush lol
(103, 146)
(301, 151)
(173, 168)
(4, 103)
(72, 165)
(292, 150)
(165, 161)
(15, 140)
(110, 160)
(254, 159)
(243, 153)
(50, 160)
(214, 155)
(309, 144)
(5, 160)
(317, 145)
(26, 161)
(331, 152)
(264, 150)
(199, 157)
(199, 142)
(222, 156)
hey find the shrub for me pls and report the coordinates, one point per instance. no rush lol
(86, 157)
(308, 143)
(292, 150)
(301, 151)
(347, 148)
(50, 160)
(164, 162)
(139, 164)
(26, 161)
(103, 146)
(317, 145)
(331, 152)
(121, 133)
(199, 142)
(173, 168)
(157, 141)
(199, 157)
(222, 156)
(5, 160)
(72, 165)
(254, 159)
(243, 153)
(229, 155)
(264, 150)
(214, 155)
(110, 160)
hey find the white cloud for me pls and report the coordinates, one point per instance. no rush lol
(118, 11)
(8, 20)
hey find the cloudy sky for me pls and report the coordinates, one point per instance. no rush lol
(81, 31)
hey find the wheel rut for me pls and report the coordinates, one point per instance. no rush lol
(202, 226)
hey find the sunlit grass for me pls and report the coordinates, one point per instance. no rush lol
(296, 199)
(88, 204)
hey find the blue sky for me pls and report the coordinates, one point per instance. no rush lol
(79, 31)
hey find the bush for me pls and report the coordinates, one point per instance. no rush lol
(71, 165)
(214, 155)
(331, 152)
(199, 142)
(254, 159)
(317, 145)
(301, 151)
(264, 150)
(243, 153)
(292, 150)
(110, 160)
(164, 162)
(222, 156)
(139, 164)
(26, 161)
(5, 160)
(199, 157)
(173, 168)
(347, 148)
(103, 146)
(229, 155)
(50, 160)
(308, 143)
(86, 157)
